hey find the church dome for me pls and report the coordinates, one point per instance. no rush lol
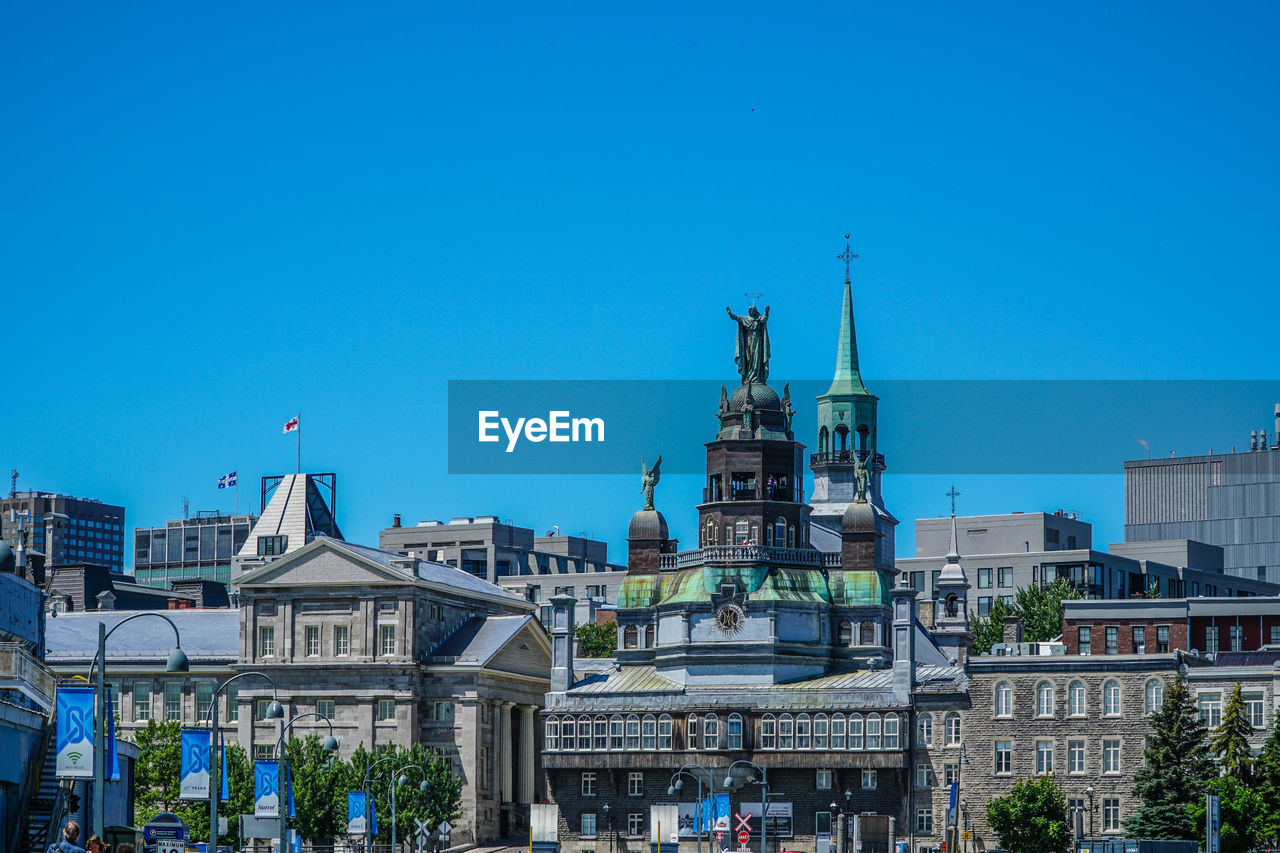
(760, 395)
(7, 561)
(648, 524)
(859, 517)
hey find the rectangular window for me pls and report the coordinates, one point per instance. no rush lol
(443, 712)
(1235, 635)
(1075, 756)
(588, 826)
(1253, 708)
(269, 545)
(1139, 640)
(589, 784)
(263, 752)
(204, 700)
(635, 824)
(141, 701)
(1210, 706)
(1162, 639)
(1110, 815)
(327, 707)
(950, 774)
(1083, 640)
(984, 605)
(1044, 756)
(823, 782)
(312, 633)
(437, 611)
(1004, 577)
(1111, 756)
(635, 784)
(924, 821)
(924, 776)
(822, 823)
(233, 703)
(341, 640)
(869, 779)
(1275, 635)
(1211, 639)
(1113, 640)
(173, 700)
(615, 733)
(386, 640)
(266, 641)
(386, 709)
(984, 579)
(1004, 757)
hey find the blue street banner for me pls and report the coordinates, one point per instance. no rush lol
(288, 787)
(266, 789)
(952, 810)
(222, 747)
(715, 813)
(356, 824)
(113, 759)
(193, 773)
(75, 733)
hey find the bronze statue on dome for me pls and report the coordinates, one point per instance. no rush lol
(751, 349)
(648, 479)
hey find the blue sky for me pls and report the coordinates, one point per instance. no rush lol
(219, 216)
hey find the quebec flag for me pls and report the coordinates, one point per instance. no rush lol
(266, 789)
(75, 733)
(194, 767)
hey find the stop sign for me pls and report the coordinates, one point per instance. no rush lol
(743, 837)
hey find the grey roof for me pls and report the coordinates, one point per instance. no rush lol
(431, 572)
(480, 638)
(1133, 608)
(645, 679)
(208, 634)
(824, 538)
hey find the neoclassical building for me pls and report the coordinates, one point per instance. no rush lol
(759, 647)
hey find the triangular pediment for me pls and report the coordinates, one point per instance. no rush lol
(528, 652)
(325, 562)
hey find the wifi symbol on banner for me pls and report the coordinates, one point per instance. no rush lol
(75, 757)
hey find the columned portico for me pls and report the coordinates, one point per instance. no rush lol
(528, 754)
(505, 750)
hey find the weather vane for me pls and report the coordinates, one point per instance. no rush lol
(753, 297)
(848, 257)
(953, 494)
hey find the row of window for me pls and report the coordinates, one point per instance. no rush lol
(1111, 639)
(785, 731)
(1077, 704)
(589, 779)
(1002, 761)
(1110, 815)
(779, 534)
(311, 640)
(1004, 578)
(1209, 704)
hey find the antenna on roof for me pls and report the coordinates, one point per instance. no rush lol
(13, 475)
(186, 508)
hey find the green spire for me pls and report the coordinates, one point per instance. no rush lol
(848, 380)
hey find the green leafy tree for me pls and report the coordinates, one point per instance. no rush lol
(239, 789)
(1231, 739)
(155, 775)
(1176, 769)
(988, 630)
(1031, 818)
(319, 784)
(1040, 608)
(596, 640)
(1267, 783)
(441, 801)
(1242, 813)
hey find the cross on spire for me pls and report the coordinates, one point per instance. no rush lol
(848, 257)
(953, 494)
(753, 296)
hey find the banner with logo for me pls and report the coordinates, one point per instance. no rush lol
(75, 733)
(193, 773)
(113, 759)
(356, 813)
(266, 789)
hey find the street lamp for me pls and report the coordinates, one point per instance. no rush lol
(677, 783)
(275, 711)
(398, 778)
(177, 662)
(608, 819)
(846, 825)
(329, 744)
(368, 797)
(1089, 792)
(764, 798)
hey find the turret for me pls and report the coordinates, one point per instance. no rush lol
(562, 642)
(951, 609)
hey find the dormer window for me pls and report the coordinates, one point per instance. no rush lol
(728, 590)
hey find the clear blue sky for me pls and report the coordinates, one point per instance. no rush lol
(217, 216)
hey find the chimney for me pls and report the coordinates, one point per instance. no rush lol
(395, 520)
(1277, 432)
(562, 635)
(1012, 630)
(1262, 439)
(1253, 439)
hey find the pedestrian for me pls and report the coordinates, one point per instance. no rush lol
(95, 845)
(125, 848)
(70, 834)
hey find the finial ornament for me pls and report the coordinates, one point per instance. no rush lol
(648, 479)
(787, 412)
(751, 348)
(724, 400)
(848, 257)
(953, 494)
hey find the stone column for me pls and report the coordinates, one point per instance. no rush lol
(528, 753)
(505, 749)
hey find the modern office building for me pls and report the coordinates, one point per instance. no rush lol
(190, 548)
(535, 567)
(1005, 552)
(1227, 499)
(64, 529)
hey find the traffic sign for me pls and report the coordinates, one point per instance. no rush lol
(744, 821)
(744, 837)
(719, 837)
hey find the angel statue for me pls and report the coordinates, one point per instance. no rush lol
(648, 479)
(787, 411)
(863, 475)
(724, 400)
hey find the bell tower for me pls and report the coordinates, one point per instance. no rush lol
(951, 609)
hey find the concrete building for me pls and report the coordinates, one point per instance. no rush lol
(1005, 552)
(1231, 500)
(64, 529)
(86, 586)
(190, 548)
(535, 567)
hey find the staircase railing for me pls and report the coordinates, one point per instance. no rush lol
(31, 834)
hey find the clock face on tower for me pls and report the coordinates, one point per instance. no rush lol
(729, 618)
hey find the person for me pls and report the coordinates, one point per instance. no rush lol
(70, 834)
(95, 845)
(125, 848)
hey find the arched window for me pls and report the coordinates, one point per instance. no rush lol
(735, 731)
(820, 739)
(711, 732)
(779, 531)
(1076, 699)
(1044, 699)
(804, 729)
(824, 440)
(615, 731)
(867, 633)
(691, 731)
(709, 537)
(664, 731)
(741, 531)
(924, 730)
(952, 605)
(791, 536)
(1154, 695)
(855, 731)
(846, 633)
(601, 732)
(649, 732)
(786, 732)
(552, 739)
(873, 731)
(584, 733)
(1004, 699)
(837, 731)
(952, 725)
(768, 535)
(568, 740)
(890, 731)
(1111, 699)
(629, 637)
(842, 439)
(649, 633)
(633, 732)
(768, 732)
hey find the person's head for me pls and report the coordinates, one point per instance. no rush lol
(95, 845)
(71, 831)
(126, 847)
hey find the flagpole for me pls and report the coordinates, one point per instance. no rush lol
(299, 442)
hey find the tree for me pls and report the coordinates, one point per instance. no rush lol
(1176, 769)
(1267, 783)
(1242, 813)
(239, 789)
(1231, 739)
(319, 784)
(1040, 608)
(1031, 818)
(597, 640)
(988, 630)
(155, 776)
(441, 801)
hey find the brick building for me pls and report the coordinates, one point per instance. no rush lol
(1204, 625)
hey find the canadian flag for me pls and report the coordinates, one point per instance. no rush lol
(291, 424)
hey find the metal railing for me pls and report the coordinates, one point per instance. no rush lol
(744, 554)
(26, 674)
(828, 456)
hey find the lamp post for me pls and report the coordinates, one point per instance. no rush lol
(677, 783)
(330, 745)
(274, 712)
(368, 802)
(846, 827)
(398, 778)
(764, 797)
(1089, 792)
(952, 817)
(177, 662)
(837, 817)
(608, 820)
